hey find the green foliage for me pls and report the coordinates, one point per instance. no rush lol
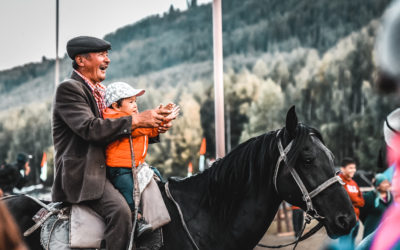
(333, 94)
(265, 113)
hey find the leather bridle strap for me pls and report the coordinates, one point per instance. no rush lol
(282, 156)
(311, 213)
(307, 196)
(325, 185)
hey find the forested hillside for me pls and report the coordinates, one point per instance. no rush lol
(317, 55)
(251, 26)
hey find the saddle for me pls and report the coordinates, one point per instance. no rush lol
(78, 226)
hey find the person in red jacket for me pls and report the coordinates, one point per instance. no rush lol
(121, 101)
(348, 169)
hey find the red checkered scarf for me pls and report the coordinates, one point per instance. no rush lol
(98, 90)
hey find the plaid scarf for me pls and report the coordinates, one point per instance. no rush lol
(98, 91)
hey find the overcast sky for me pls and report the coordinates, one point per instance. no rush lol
(28, 26)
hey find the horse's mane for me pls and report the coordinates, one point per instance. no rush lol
(242, 171)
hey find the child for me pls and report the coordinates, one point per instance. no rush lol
(121, 101)
(348, 169)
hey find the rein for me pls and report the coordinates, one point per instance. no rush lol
(311, 212)
(303, 237)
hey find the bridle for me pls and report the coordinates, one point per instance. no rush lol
(311, 212)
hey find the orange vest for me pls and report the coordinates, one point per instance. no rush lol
(118, 152)
(354, 193)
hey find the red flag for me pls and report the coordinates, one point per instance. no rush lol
(190, 168)
(44, 160)
(203, 147)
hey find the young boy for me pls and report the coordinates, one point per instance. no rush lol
(121, 101)
(347, 171)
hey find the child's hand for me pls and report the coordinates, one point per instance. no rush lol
(170, 111)
(170, 106)
(164, 127)
(173, 110)
(174, 113)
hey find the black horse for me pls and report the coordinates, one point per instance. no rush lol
(232, 204)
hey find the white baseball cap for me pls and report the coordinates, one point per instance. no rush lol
(120, 90)
(391, 126)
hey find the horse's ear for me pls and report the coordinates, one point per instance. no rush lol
(291, 122)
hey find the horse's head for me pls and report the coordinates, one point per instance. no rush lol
(306, 172)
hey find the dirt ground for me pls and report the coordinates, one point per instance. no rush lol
(317, 241)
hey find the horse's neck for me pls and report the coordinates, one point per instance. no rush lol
(253, 215)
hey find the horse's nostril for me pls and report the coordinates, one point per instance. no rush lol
(343, 221)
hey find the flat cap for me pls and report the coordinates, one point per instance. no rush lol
(86, 44)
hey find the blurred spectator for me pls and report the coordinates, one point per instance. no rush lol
(348, 169)
(10, 237)
(297, 220)
(376, 202)
(15, 175)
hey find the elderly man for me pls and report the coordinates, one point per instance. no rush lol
(80, 135)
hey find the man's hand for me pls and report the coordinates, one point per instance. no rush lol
(147, 119)
(160, 117)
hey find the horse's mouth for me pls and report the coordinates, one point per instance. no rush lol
(334, 231)
(331, 235)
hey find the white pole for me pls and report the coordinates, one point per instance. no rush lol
(218, 79)
(201, 163)
(57, 69)
(57, 65)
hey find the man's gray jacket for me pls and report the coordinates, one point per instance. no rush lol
(80, 135)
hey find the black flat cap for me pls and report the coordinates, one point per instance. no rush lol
(86, 44)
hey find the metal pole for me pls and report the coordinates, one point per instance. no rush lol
(218, 79)
(57, 65)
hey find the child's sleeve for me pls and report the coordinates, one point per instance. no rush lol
(359, 200)
(150, 132)
(154, 132)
